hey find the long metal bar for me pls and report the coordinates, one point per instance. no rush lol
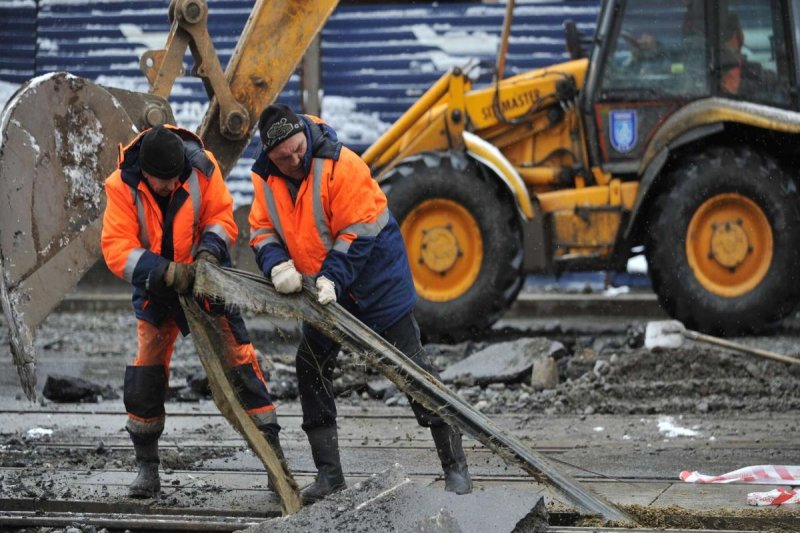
(701, 337)
(126, 521)
(249, 291)
(504, 37)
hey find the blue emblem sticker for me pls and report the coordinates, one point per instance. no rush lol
(622, 126)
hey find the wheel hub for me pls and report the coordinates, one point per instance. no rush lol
(439, 249)
(729, 244)
(445, 248)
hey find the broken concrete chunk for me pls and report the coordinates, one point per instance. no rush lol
(504, 362)
(69, 389)
(390, 501)
(199, 384)
(381, 388)
(545, 374)
(582, 362)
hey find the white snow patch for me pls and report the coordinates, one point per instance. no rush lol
(6, 90)
(667, 425)
(598, 429)
(616, 291)
(83, 167)
(156, 40)
(456, 42)
(37, 433)
(351, 126)
(637, 264)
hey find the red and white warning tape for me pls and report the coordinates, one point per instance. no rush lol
(779, 496)
(760, 475)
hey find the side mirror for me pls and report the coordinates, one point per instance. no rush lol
(572, 37)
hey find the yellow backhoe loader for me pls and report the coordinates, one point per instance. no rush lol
(60, 135)
(675, 135)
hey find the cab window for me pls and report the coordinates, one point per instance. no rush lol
(752, 61)
(658, 49)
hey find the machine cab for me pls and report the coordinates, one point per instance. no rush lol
(657, 56)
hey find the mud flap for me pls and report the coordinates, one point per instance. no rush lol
(59, 137)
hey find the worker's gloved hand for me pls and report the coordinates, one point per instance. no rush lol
(205, 255)
(179, 276)
(326, 290)
(286, 278)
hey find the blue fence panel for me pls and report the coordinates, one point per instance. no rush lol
(376, 59)
(17, 40)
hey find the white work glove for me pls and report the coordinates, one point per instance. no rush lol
(286, 278)
(326, 290)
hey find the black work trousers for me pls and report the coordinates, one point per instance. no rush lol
(316, 359)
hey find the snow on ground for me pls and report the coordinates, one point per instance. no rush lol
(667, 426)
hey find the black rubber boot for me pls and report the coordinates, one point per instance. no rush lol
(147, 484)
(325, 450)
(454, 462)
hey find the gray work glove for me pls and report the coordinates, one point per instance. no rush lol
(286, 278)
(326, 290)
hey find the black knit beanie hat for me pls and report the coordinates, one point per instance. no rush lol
(161, 153)
(277, 123)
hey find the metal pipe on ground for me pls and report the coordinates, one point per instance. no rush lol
(672, 333)
(136, 522)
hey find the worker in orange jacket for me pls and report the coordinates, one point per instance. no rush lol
(317, 212)
(167, 208)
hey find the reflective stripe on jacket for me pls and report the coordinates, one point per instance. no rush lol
(139, 241)
(338, 226)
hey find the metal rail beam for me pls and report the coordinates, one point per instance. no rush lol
(249, 291)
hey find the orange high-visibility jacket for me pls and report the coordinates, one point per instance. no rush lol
(337, 226)
(329, 213)
(139, 240)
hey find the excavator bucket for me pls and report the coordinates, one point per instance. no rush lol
(60, 138)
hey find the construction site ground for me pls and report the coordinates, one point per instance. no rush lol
(624, 420)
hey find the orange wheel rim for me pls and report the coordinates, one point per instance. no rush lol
(445, 249)
(729, 245)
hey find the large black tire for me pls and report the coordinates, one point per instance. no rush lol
(748, 289)
(450, 178)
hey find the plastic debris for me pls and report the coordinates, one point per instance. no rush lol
(760, 474)
(779, 496)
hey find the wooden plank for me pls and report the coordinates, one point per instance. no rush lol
(208, 337)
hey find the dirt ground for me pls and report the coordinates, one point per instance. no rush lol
(604, 370)
(609, 372)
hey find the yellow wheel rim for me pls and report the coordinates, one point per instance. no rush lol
(445, 249)
(729, 244)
